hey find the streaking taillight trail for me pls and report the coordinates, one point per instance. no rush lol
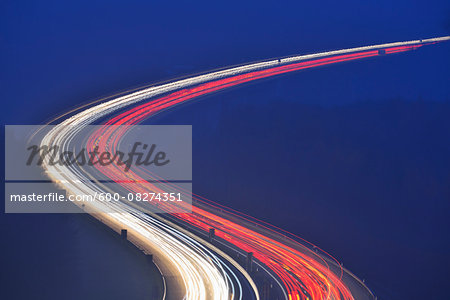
(301, 272)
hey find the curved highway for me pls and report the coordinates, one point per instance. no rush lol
(299, 270)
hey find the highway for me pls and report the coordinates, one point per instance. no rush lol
(298, 269)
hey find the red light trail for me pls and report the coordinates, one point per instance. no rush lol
(292, 262)
(303, 273)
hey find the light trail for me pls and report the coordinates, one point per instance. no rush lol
(302, 273)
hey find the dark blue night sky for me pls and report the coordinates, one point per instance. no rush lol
(356, 155)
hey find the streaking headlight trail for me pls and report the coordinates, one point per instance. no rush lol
(298, 270)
